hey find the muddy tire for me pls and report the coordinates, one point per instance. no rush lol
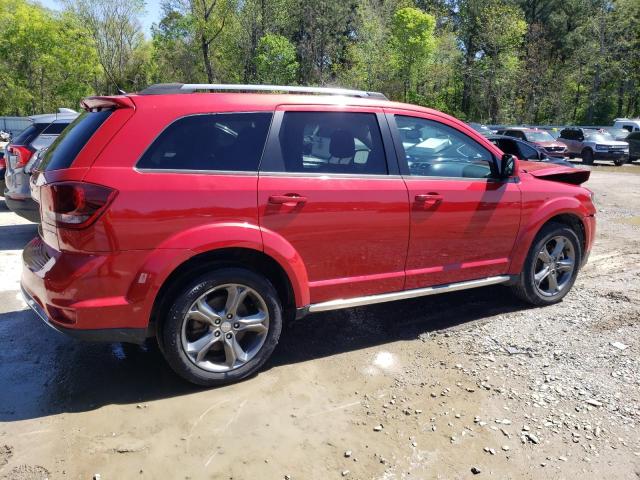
(551, 266)
(222, 327)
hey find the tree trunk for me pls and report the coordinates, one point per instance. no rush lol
(207, 61)
(620, 98)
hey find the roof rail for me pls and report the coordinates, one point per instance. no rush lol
(172, 88)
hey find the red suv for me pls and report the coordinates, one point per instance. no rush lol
(208, 220)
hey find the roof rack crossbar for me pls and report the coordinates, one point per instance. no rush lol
(169, 88)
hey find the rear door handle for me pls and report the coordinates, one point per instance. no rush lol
(429, 199)
(290, 199)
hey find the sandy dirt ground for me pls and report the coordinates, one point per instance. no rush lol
(464, 385)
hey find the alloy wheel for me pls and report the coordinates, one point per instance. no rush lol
(225, 328)
(554, 266)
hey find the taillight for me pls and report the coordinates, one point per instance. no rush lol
(3, 163)
(74, 204)
(23, 155)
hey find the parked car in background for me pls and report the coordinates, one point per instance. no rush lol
(209, 220)
(4, 141)
(542, 138)
(634, 145)
(590, 144)
(553, 131)
(617, 133)
(525, 150)
(630, 124)
(480, 128)
(21, 155)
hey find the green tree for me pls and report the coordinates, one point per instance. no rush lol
(48, 60)
(117, 35)
(276, 60)
(413, 41)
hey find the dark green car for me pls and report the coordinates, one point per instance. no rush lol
(633, 139)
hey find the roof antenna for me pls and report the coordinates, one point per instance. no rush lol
(121, 92)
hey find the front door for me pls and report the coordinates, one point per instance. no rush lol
(325, 186)
(464, 221)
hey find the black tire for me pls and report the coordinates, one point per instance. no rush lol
(587, 156)
(171, 332)
(618, 162)
(525, 288)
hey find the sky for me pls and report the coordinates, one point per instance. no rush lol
(152, 14)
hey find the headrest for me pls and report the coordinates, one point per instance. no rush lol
(342, 144)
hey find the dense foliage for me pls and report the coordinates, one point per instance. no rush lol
(496, 61)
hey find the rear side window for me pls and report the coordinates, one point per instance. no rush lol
(55, 128)
(26, 136)
(66, 147)
(221, 141)
(330, 142)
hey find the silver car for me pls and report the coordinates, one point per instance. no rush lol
(591, 144)
(22, 153)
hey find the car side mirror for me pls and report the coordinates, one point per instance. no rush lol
(507, 165)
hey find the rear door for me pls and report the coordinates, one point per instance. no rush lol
(464, 221)
(328, 184)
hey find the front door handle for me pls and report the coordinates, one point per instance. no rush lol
(429, 199)
(290, 199)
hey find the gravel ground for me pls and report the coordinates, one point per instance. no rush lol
(467, 384)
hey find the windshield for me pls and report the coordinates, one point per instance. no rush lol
(618, 132)
(539, 136)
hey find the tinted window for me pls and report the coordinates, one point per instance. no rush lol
(329, 142)
(527, 153)
(224, 141)
(28, 134)
(507, 146)
(634, 136)
(568, 134)
(434, 149)
(55, 128)
(66, 147)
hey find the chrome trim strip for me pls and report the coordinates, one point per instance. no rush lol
(357, 176)
(243, 173)
(418, 292)
(280, 88)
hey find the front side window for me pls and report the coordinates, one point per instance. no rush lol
(436, 150)
(527, 153)
(221, 142)
(330, 142)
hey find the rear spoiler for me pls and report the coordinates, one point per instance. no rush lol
(95, 104)
(575, 176)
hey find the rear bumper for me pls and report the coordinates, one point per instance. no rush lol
(84, 295)
(126, 335)
(25, 207)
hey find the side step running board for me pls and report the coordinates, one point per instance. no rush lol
(418, 292)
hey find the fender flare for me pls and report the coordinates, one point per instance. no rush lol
(181, 247)
(553, 207)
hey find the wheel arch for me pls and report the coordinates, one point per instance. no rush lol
(251, 259)
(572, 216)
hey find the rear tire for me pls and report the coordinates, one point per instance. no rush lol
(222, 327)
(618, 162)
(587, 156)
(546, 278)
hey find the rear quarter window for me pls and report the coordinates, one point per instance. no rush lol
(218, 142)
(66, 147)
(26, 136)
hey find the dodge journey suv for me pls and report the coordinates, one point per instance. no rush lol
(209, 220)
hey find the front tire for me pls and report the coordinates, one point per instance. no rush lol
(618, 162)
(222, 327)
(551, 266)
(587, 156)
